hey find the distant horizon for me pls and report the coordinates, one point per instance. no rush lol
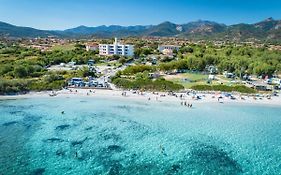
(136, 24)
(65, 14)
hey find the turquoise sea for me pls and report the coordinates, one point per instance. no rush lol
(119, 136)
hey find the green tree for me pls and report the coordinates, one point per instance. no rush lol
(20, 71)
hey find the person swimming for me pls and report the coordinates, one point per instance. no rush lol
(62, 112)
(162, 149)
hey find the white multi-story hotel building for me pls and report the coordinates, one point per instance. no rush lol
(116, 49)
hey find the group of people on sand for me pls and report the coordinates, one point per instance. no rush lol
(90, 91)
(156, 98)
(76, 91)
(70, 90)
(189, 105)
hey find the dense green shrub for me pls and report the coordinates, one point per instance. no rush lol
(147, 84)
(9, 87)
(131, 70)
(12, 86)
(224, 88)
(44, 85)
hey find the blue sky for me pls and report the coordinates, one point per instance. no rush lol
(62, 14)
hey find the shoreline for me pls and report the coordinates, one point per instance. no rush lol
(148, 96)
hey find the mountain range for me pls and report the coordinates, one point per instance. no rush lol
(266, 30)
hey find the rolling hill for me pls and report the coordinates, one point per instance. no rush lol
(9, 30)
(266, 30)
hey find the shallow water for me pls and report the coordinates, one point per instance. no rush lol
(110, 136)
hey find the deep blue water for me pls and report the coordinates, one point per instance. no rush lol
(110, 136)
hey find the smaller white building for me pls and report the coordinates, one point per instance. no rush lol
(168, 49)
(116, 49)
(92, 46)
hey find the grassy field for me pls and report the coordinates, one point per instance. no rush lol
(63, 47)
(188, 79)
(191, 79)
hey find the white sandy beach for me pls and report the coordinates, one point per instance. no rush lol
(149, 96)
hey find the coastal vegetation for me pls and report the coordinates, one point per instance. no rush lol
(236, 59)
(224, 88)
(13, 86)
(24, 69)
(142, 81)
(197, 59)
(147, 84)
